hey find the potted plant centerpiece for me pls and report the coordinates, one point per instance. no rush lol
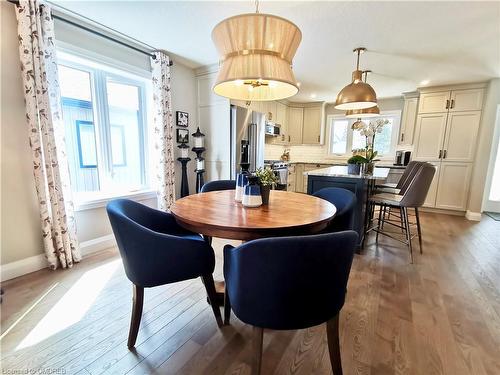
(267, 178)
(354, 164)
(370, 130)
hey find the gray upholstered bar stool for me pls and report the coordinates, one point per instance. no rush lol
(404, 181)
(413, 197)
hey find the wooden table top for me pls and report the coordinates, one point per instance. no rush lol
(217, 214)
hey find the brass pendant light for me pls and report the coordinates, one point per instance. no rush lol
(357, 94)
(366, 112)
(256, 52)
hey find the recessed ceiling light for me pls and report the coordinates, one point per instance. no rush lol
(313, 96)
(425, 82)
(299, 84)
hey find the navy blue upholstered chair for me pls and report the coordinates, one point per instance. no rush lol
(218, 185)
(290, 283)
(345, 202)
(155, 251)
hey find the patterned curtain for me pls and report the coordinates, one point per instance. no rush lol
(46, 132)
(163, 130)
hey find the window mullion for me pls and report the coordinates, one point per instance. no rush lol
(105, 129)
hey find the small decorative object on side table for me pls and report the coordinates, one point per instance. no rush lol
(267, 177)
(199, 148)
(184, 158)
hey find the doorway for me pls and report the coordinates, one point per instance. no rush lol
(492, 196)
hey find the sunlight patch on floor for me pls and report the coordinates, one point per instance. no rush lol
(71, 308)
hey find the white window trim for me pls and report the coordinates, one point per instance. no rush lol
(394, 136)
(101, 199)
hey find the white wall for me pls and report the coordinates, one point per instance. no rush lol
(20, 229)
(484, 149)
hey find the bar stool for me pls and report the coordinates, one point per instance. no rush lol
(413, 197)
(404, 181)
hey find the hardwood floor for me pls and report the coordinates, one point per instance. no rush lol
(440, 315)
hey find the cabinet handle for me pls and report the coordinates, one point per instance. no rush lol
(318, 138)
(447, 103)
(452, 103)
(289, 139)
(402, 137)
(440, 154)
(444, 154)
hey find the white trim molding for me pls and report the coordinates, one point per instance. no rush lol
(473, 216)
(24, 266)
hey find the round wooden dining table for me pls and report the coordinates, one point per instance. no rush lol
(217, 214)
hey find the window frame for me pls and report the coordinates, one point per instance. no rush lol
(396, 114)
(99, 71)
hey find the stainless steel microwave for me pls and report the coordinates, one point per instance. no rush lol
(273, 129)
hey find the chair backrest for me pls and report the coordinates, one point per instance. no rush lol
(408, 174)
(218, 185)
(345, 201)
(417, 190)
(153, 248)
(289, 282)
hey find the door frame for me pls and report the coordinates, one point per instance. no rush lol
(493, 206)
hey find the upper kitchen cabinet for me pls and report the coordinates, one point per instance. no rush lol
(281, 119)
(434, 102)
(466, 100)
(295, 124)
(463, 98)
(408, 119)
(311, 130)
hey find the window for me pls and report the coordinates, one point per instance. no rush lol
(104, 113)
(343, 139)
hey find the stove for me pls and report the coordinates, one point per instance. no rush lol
(280, 168)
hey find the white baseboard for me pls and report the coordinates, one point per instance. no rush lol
(24, 266)
(474, 216)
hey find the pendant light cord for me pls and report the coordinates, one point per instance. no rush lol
(256, 6)
(357, 61)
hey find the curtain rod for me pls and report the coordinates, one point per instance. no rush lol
(107, 37)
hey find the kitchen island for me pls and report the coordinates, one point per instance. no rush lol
(361, 185)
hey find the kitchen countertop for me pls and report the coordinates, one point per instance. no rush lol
(341, 171)
(342, 163)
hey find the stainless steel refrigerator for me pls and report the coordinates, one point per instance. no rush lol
(247, 125)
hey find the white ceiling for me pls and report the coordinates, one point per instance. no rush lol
(407, 42)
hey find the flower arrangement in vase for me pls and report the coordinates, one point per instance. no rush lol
(267, 178)
(369, 131)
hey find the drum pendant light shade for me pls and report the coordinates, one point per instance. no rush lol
(357, 94)
(366, 112)
(256, 56)
(363, 113)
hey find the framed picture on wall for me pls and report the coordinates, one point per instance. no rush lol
(182, 135)
(182, 119)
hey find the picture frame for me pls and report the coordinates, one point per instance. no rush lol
(182, 119)
(182, 135)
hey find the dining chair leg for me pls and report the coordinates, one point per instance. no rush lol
(404, 214)
(257, 338)
(379, 223)
(135, 322)
(419, 229)
(227, 307)
(208, 281)
(332, 333)
(384, 213)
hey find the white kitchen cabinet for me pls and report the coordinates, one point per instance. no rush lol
(434, 102)
(429, 136)
(311, 130)
(453, 186)
(460, 138)
(408, 121)
(295, 124)
(282, 120)
(299, 180)
(430, 200)
(466, 100)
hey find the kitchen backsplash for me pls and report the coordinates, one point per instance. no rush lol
(298, 153)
